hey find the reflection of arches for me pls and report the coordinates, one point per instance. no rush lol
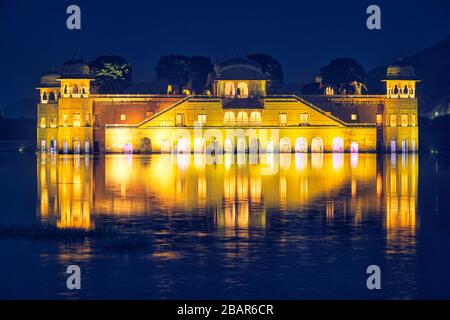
(317, 145)
(146, 145)
(228, 146)
(229, 89)
(404, 145)
(241, 145)
(199, 145)
(51, 96)
(229, 119)
(285, 145)
(166, 146)
(183, 145)
(243, 89)
(354, 147)
(301, 145)
(338, 144)
(254, 146)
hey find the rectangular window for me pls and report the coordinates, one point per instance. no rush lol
(201, 119)
(76, 120)
(404, 120)
(393, 120)
(283, 119)
(379, 119)
(88, 119)
(354, 117)
(179, 121)
(149, 114)
(65, 122)
(53, 122)
(413, 120)
(123, 117)
(303, 119)
(43, 122)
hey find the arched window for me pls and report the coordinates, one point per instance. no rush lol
(229, 89)
(44, 97)
(354, 147)
(51, 96)
(301, 145)
(241, 145)
(166, 146)
(405, 146)
(285, 145)
(255, 118)
(338, 144)
(66, 89)
(228, 119)
(254, 146)
(405, 90)
(242, 118)
(243, 89)
(75, 89)
(228, 146)
(317, 145)
(199, 145)
(183, 146)
(83, 90)
(395, 89)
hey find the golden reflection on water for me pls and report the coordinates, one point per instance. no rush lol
(239, 191)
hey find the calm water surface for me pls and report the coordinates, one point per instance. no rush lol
(281, 226)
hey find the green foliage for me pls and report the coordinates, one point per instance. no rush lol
(270, 66)
(184, 71)
(113, 74)
(340, 73)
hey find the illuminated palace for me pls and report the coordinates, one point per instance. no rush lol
(237, 115)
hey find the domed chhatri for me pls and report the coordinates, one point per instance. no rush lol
(49, 79)
(400, 71)
(239, 78)
(75, 68)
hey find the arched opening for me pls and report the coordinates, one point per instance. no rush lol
(43, 146)
(65, 147)
(76, 146)
(255, 118)
(229, 119)
(317, 145)
(51, 96)
(254, 146)
(145, 146)
(338, 144)
(242, 118)
(354, 147)
(229, 89)
(395, 89)
(83, 91)
(243, 90)
(128, 148)
(393, 146)
(405, 89)
(301, 145)
(269, 148)
(285, 145)
(53, 145)
(413, 146)
(166, 146)
(228, 146)
(86, 146)
(75, 89)
(44, 97)
(241, 145)
(183, 145)
(404, 145)
(66, 89)
(199, 145)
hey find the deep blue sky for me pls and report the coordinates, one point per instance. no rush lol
(303, 35)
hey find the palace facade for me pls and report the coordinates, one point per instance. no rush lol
(237, 115)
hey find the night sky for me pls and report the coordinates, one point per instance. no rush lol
(302, 35)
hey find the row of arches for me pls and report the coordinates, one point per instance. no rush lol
(240, 91)
(77, 147)
(250, 145)
(50, 96)
(404, 146)
(74, 90)
(242, 118)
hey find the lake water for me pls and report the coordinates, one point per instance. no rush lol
(279, 227)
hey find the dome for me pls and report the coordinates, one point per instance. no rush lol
(75, 68)
(50, 79)
(400, 70)
(239, 69)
